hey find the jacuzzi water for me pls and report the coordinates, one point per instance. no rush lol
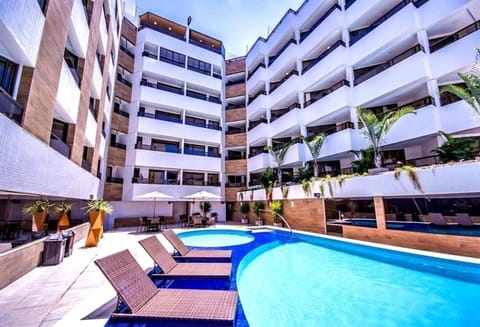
(215, 238)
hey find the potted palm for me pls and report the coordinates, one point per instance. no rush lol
(96, 210)
(244, 209)
(39, 211)
(257, 207)
(276, 207)
(63, 209)
(205, 206)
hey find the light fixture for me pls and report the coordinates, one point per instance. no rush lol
(169, 28)
(154, 23)
(201, 41)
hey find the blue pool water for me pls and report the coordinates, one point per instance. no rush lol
(315, 281)
(303, 284)
(215, 238)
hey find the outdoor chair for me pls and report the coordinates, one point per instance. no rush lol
(437, 219)
(145, 301)
(182, 251)
(211, 221)
(464, 219)
(173, 270)
(197, 221)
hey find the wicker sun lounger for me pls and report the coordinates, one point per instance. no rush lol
(184, 252)
(171, 269)
(145, 301)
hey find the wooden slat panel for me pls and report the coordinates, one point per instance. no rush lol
(236, 166)
(113, 192)
(116, 156)
(125, 61)
(235, 90)
(129, 31)
(236, 140)
(123, 91)
(119, 123)
(235, 114)
(235, 65)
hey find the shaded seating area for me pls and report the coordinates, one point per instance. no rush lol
(171, 269)
(183, 251)
(144, 301)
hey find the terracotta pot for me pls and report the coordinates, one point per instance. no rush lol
(38, 221)
(96, 226)
(63, 222)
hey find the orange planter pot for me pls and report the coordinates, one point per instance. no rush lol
(38, 221)
(63, 222)
(96, 228)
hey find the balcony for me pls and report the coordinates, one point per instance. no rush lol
(258, 162)
(294, 155)
(172, 127)
(68, 96)
(78, 35)
(433, 12)
(410, 70)
(305, 34)
(123, 90)
(397, 24)
(341, 143)
(10, 108)
(287, 122)
(287, 51)
(173, 160)
(457, 116)
(327, 64)
(275, 85)
(257, 104)
(446, 58)
(328, 104)
(286, 90)
(259, 133)
(257, 78)
(21, 38)
(120, 120)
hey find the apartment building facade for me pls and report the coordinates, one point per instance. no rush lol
(58, 62)
(328, 58)
(175, 126)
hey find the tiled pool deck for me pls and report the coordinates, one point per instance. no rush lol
(64, 294)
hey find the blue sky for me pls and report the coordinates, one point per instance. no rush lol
(237, 23)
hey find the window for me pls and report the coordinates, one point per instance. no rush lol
(8, 71)
(197, 150)
(193, 178)
(212, 180)
(172, 57)
(199, 66)
(192, 121)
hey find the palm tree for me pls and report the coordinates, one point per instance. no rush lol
(471, 94)
(315, 146)
(375, 128)
(278, 157)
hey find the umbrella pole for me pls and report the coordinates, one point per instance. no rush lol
(154, 202)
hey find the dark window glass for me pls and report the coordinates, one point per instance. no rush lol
(8, 72)
(172, 57)
(199, 66)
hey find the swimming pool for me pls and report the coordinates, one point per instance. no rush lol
(314, 280)
(305, 284)
(215, 238)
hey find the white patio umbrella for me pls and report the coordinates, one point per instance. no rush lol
(202, 195)
(154, 195)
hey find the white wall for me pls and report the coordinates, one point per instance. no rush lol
(21, 28)
(30, 166)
